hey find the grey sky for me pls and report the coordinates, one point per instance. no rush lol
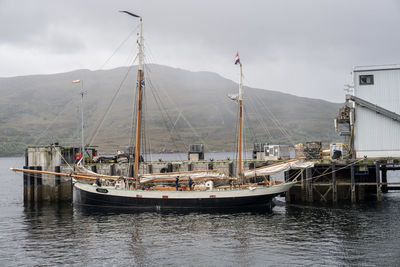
(302, 47)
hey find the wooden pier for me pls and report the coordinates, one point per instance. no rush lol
(343, 181)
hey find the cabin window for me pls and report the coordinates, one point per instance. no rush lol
(366, 79)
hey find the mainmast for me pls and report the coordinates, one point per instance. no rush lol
(240, 126)
(139, 104)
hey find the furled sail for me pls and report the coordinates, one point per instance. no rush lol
(278, 168)
(212, 175)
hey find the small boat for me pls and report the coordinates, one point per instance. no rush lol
(207, 189)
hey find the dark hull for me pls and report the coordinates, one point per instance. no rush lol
(82, 197)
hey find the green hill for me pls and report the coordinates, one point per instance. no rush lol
(182, 107)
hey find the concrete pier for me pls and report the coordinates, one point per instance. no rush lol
(38, 187)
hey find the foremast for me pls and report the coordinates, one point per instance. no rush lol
(240, 121)
(140, 80)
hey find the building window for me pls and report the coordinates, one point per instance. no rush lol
(366, 79)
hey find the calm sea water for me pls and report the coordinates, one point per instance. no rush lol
(361, 235)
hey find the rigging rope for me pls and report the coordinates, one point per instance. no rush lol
(110, 105)
(119, 46)
(52, 122)
(336, 170)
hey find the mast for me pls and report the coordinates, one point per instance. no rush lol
(139, 103)
(139, 106)
(240, 122)
(240, 126)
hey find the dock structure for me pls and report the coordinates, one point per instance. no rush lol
(42, 187)
(329, 181)
(350, 181)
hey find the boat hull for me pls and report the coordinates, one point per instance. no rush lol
(259, 198)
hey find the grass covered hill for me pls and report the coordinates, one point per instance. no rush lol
(182, 107)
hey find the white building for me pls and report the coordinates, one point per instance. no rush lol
(377, 109)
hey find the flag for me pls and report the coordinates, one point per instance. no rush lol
(76, 81)
(237, 60)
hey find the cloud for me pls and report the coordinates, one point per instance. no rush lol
(303, 47)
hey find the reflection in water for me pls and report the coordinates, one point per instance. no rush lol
(63, 234)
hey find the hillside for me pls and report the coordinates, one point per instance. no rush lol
(42, 109)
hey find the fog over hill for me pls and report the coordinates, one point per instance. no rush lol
(182, 108)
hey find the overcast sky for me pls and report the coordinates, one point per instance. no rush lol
(301, 47)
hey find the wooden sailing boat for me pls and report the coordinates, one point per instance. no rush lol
(136, 193)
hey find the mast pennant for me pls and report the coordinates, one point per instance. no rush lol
(129, 13)
(237, 60)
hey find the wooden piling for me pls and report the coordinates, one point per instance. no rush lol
(57, 183)
(334, 183)
(25, 175)
(378, 181)
(353, 184)
(288, 197)
(30, 186)
(310, 194)
(37, 188)
(303, 187)
(384, 179)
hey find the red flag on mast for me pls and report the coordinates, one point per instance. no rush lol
(237, 60)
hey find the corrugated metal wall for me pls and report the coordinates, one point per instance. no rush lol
(376, 135)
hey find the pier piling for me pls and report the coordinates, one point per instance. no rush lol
(378, 181)
(384, 179)
(353, 184)
(334, 184)
(310, 197)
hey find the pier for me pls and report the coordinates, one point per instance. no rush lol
(328, 182)
(343, 181)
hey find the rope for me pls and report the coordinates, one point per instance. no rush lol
(119, 46)
(110, 105)
(52, 122)
(295, 178)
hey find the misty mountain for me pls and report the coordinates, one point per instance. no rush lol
(181, 108)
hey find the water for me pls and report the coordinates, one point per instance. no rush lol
(361, 235)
